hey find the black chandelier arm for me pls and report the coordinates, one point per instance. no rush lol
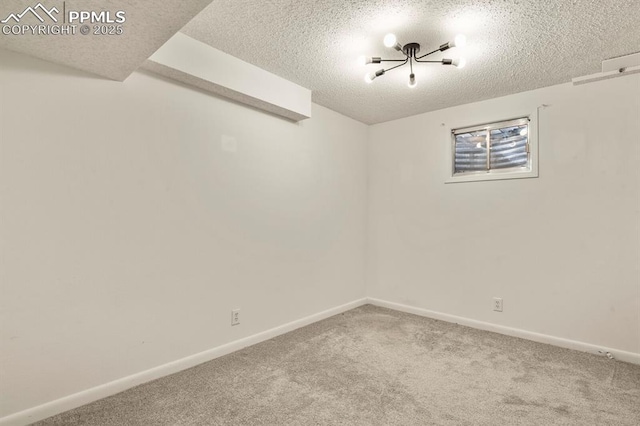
(397, 60)
(429, 62)
(427, 54)
(399, 65)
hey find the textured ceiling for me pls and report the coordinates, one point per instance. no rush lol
(513, 46)
(149, 24)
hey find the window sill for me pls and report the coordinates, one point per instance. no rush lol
(493, 175)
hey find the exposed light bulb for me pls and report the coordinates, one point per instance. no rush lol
(371, 76)
(479, 145)
(524, 132)
(459, 41)
(412, 81)
(459, 63)
(390, 40)
(364, 60)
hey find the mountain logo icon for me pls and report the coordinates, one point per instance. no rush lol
(34, 11)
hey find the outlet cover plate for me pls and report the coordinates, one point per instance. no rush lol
(497, 304)
(235, 317)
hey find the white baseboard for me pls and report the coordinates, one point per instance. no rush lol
(90, 395)
(624, 356)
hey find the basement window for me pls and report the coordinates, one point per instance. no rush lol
(500, 150)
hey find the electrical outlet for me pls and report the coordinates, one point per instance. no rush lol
(235, 317)
(497, 304)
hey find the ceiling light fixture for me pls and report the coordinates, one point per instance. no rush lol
(410, 51)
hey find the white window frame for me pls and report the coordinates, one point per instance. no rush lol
(495, 174)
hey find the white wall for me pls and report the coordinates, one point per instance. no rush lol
(562, 249)
(127, 235)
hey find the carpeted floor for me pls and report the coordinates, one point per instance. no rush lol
(374, 366)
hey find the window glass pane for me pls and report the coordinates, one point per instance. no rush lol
(509, 147)
(470, 152)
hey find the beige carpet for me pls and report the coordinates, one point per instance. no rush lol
(373, 366)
